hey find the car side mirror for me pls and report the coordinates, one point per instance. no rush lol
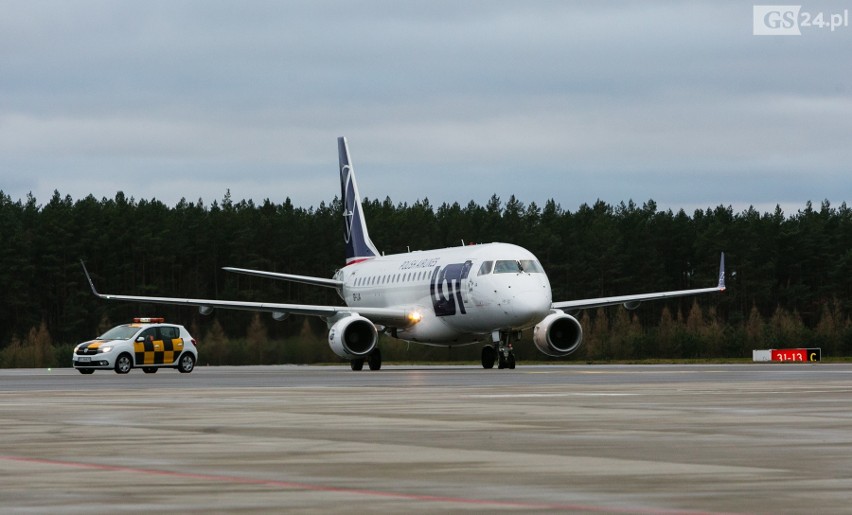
(140, 339)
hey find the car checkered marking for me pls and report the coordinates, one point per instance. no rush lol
(157, 352)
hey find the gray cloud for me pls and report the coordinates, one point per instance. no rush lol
(675, 102)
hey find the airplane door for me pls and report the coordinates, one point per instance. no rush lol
(466, 283)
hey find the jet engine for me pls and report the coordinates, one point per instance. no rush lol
(558, 335)
(353, 337)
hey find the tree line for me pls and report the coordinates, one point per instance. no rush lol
(789, 275)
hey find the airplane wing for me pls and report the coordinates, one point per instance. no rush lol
(633, 301)
(382, 316)
(317, 281)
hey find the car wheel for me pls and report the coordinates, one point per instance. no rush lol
(186, 363)
(123, 364)
(86, 370)
(149, 370)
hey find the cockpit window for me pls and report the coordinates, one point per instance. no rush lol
(485, 269)
(507, 266)
(531, 266)
(512, 266)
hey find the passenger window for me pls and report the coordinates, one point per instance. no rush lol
(168, 333)
(485, 269)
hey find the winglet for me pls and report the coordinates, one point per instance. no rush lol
(89, 277)
(721, 285)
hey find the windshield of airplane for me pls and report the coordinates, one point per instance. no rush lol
(513, 266)
(531, 266)
(485, 269)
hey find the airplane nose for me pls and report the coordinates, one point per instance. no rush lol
(530, 306)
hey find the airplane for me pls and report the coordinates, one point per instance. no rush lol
(485, 293)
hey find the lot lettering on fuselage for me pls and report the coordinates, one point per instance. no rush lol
(445, 288)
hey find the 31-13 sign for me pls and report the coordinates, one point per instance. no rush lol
(796, 354)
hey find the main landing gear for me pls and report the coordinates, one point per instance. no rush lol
(374, 361)
(503, 355)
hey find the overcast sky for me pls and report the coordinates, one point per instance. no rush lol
(454, 101)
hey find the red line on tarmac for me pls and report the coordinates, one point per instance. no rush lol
(335, 489)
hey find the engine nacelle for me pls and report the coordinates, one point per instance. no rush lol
(558, 335)
(353, 337)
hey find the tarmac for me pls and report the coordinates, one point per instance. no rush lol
(668, 439)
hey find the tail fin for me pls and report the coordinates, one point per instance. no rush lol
(358, 244)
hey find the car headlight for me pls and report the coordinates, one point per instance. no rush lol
(105, 348)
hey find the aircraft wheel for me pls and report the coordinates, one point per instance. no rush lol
(375, 360)
(357, 364)
(489, 355)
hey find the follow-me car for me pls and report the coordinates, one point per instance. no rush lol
(148, 343)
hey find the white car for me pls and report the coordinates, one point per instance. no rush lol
(147, 343)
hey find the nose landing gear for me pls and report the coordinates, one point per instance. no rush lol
(506, 359)
(503, 354)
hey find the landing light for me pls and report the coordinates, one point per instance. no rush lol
(415, 317)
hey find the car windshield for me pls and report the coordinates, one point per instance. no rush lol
(122, 332)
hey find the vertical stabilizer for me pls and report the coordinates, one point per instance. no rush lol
(358, 244)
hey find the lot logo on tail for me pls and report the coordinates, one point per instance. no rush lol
(348, 207)
(358, 244)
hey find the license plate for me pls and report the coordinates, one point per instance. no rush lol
(84, 360)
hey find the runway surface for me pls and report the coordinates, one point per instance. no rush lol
(767, 438)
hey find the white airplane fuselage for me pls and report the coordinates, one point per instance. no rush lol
(460, 294)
